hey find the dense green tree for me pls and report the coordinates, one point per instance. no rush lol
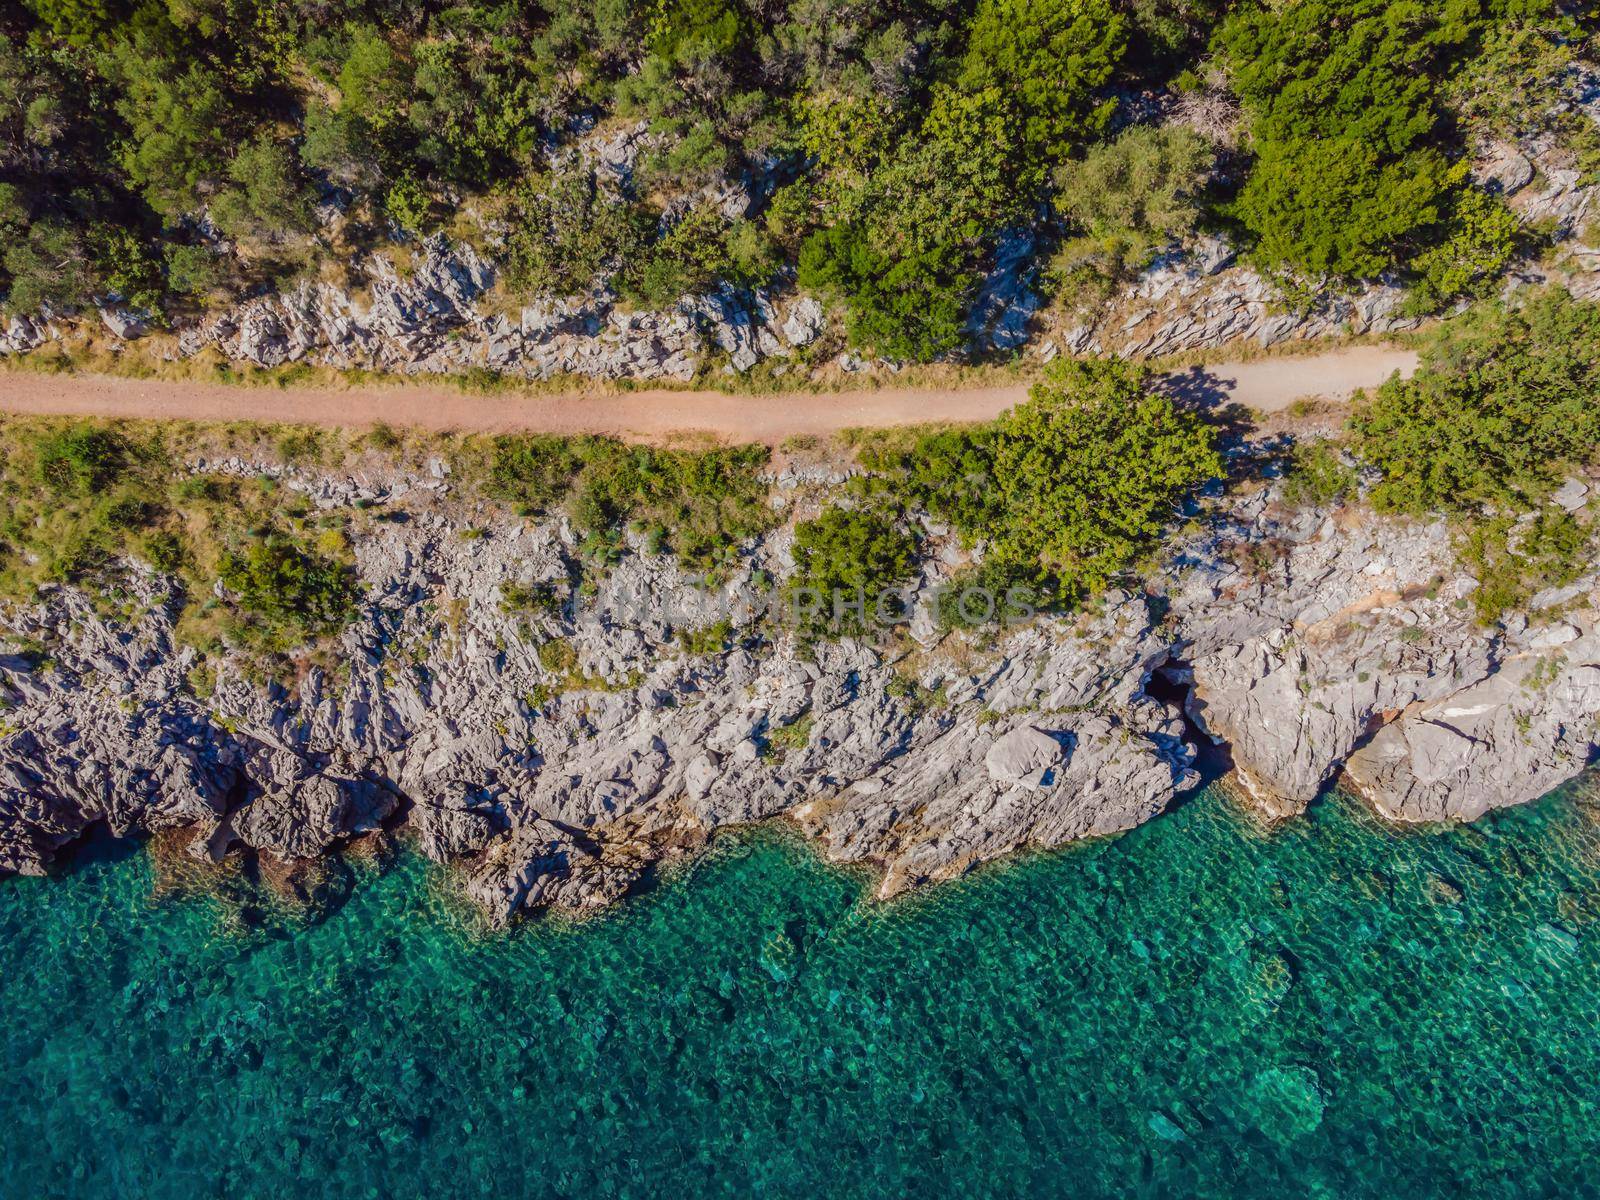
(1335, 207)
(35, 107)
(850, 555)
(1350, 179)
(702, 249)
(126, 266)
(910, 307)
(266, 198)
(1170, 31)
(194, 271)
(1049, 60)
(178, 142)
(1069, 489)
(1483, 237)
(78, 21)
(897, 144)
(1506, 400)
(1090, 470)
(687, 31)
(51, 263)
(341, 145)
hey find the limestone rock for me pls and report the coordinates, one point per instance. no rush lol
(1312, 642)
(1024, 754)
(1503, 169)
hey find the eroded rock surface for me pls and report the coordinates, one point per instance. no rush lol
(1311, 642)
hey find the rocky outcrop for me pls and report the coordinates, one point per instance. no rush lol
(1318, 646)
(554, 756)
(1508, 739)
(562, 786)
(22, 334)
(1196, 297)
(430, 321)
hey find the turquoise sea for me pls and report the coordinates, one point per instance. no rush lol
(1330, 1008)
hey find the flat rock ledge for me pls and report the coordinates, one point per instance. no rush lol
(1342, 644)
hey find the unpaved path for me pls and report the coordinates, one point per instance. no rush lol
(1267, 385)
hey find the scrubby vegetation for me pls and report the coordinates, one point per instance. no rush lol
(1068, 490)
(79, 499)
(1505, 406)
(700, 505)
(1507, 401)
(845, 561)
(1317, 474)
(288, 591)
(1129, 199)
(177, 153)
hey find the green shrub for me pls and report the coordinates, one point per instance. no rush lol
(296, 589)
(710, 639)
(1484, 236)
(701, 251)
(1505, 404)
(1131, 197)
(49, 263)
(1049, 59)
(793, 737)
(1507, 399)
(1070, 488)
(949, 474)
(163, 550)
(1514, 559)
(850, 555)
(1317, 476)
(558, 656)
(1091, 470)
(126, 266)
(1503, 91)
(564, 233)
(912, 307)
(129, 511)
(535, 471)
(408, 204)
(81, 460)
(543, 599)
(709, 501)
(194, 271)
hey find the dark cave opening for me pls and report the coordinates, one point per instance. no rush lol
(1172, 682)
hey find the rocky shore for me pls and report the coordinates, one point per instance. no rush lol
(554, 757)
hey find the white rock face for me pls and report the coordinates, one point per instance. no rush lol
(1335, 644)
(1503, 169)
(565, 799)
(123, 323)
(1024, 754)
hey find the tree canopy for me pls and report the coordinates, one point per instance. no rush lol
(174, 153)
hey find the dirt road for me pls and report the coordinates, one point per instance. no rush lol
(1267, 385)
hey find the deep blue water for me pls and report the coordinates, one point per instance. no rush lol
(1328, 1009)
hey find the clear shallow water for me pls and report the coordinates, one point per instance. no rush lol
(1331, 1010)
